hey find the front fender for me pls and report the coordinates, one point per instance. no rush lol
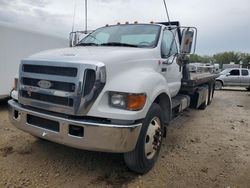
(142, 80)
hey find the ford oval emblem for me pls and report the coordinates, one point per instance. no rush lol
(44, 84)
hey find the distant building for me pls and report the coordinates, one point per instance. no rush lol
(231, 65)
(202, 67)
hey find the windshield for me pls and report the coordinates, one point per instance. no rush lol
(143, 36)
(224, 71)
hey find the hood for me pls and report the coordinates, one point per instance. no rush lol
(92, 55)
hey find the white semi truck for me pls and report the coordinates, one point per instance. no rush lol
(17, 44)
(115, 91)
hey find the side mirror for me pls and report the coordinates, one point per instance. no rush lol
(73, 39)
(189, 36)
(228, 74)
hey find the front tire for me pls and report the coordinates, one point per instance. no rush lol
(144, 156)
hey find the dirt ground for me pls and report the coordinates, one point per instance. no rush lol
(208, 148)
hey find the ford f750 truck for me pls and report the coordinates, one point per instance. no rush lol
(116, 90)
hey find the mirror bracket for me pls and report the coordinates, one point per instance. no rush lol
(182, 59)
(74, 37)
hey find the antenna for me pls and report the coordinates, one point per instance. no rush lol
(86, 16)
(73, 24)
(166, 8)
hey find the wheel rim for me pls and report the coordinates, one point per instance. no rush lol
(153, 138)
(218, 85)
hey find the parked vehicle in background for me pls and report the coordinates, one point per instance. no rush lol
(17, 44)
(233, 77)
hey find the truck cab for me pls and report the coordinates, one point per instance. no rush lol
(116, 90)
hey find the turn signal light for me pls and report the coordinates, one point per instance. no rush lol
(15, 84)
(135, 102)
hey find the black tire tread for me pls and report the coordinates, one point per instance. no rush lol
(134, 159)
(211, 93)
(203, 106)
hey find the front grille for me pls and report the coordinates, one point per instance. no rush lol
(89, 81)
(51, 70)
(56, 85)
(68, 89)
(43, 123)
(65, 101)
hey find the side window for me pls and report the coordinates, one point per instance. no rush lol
(244, 72)
(168, 46)
(235, 72)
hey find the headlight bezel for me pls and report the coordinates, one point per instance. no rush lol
(137, 99)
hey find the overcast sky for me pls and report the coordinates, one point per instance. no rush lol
(224, 25)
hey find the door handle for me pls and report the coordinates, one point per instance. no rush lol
(164, 69)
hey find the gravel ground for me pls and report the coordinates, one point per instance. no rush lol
(208, 148)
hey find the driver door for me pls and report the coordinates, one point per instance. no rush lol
(233, 78)
(169, 51)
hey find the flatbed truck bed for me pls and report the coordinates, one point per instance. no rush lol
(197, 91)
(197, 79)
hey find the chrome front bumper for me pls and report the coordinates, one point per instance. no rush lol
(97, 136)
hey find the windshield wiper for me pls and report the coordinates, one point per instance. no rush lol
(87, 44)
(118, 44)
(107, 44)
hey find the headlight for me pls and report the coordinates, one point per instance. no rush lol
(118, 100)
(127, 101)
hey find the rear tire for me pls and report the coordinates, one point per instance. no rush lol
(211, 94)
(204, 105)
(145, 154)
(218, 85)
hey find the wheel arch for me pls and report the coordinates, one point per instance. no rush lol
(164, 101)
(219, 80)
